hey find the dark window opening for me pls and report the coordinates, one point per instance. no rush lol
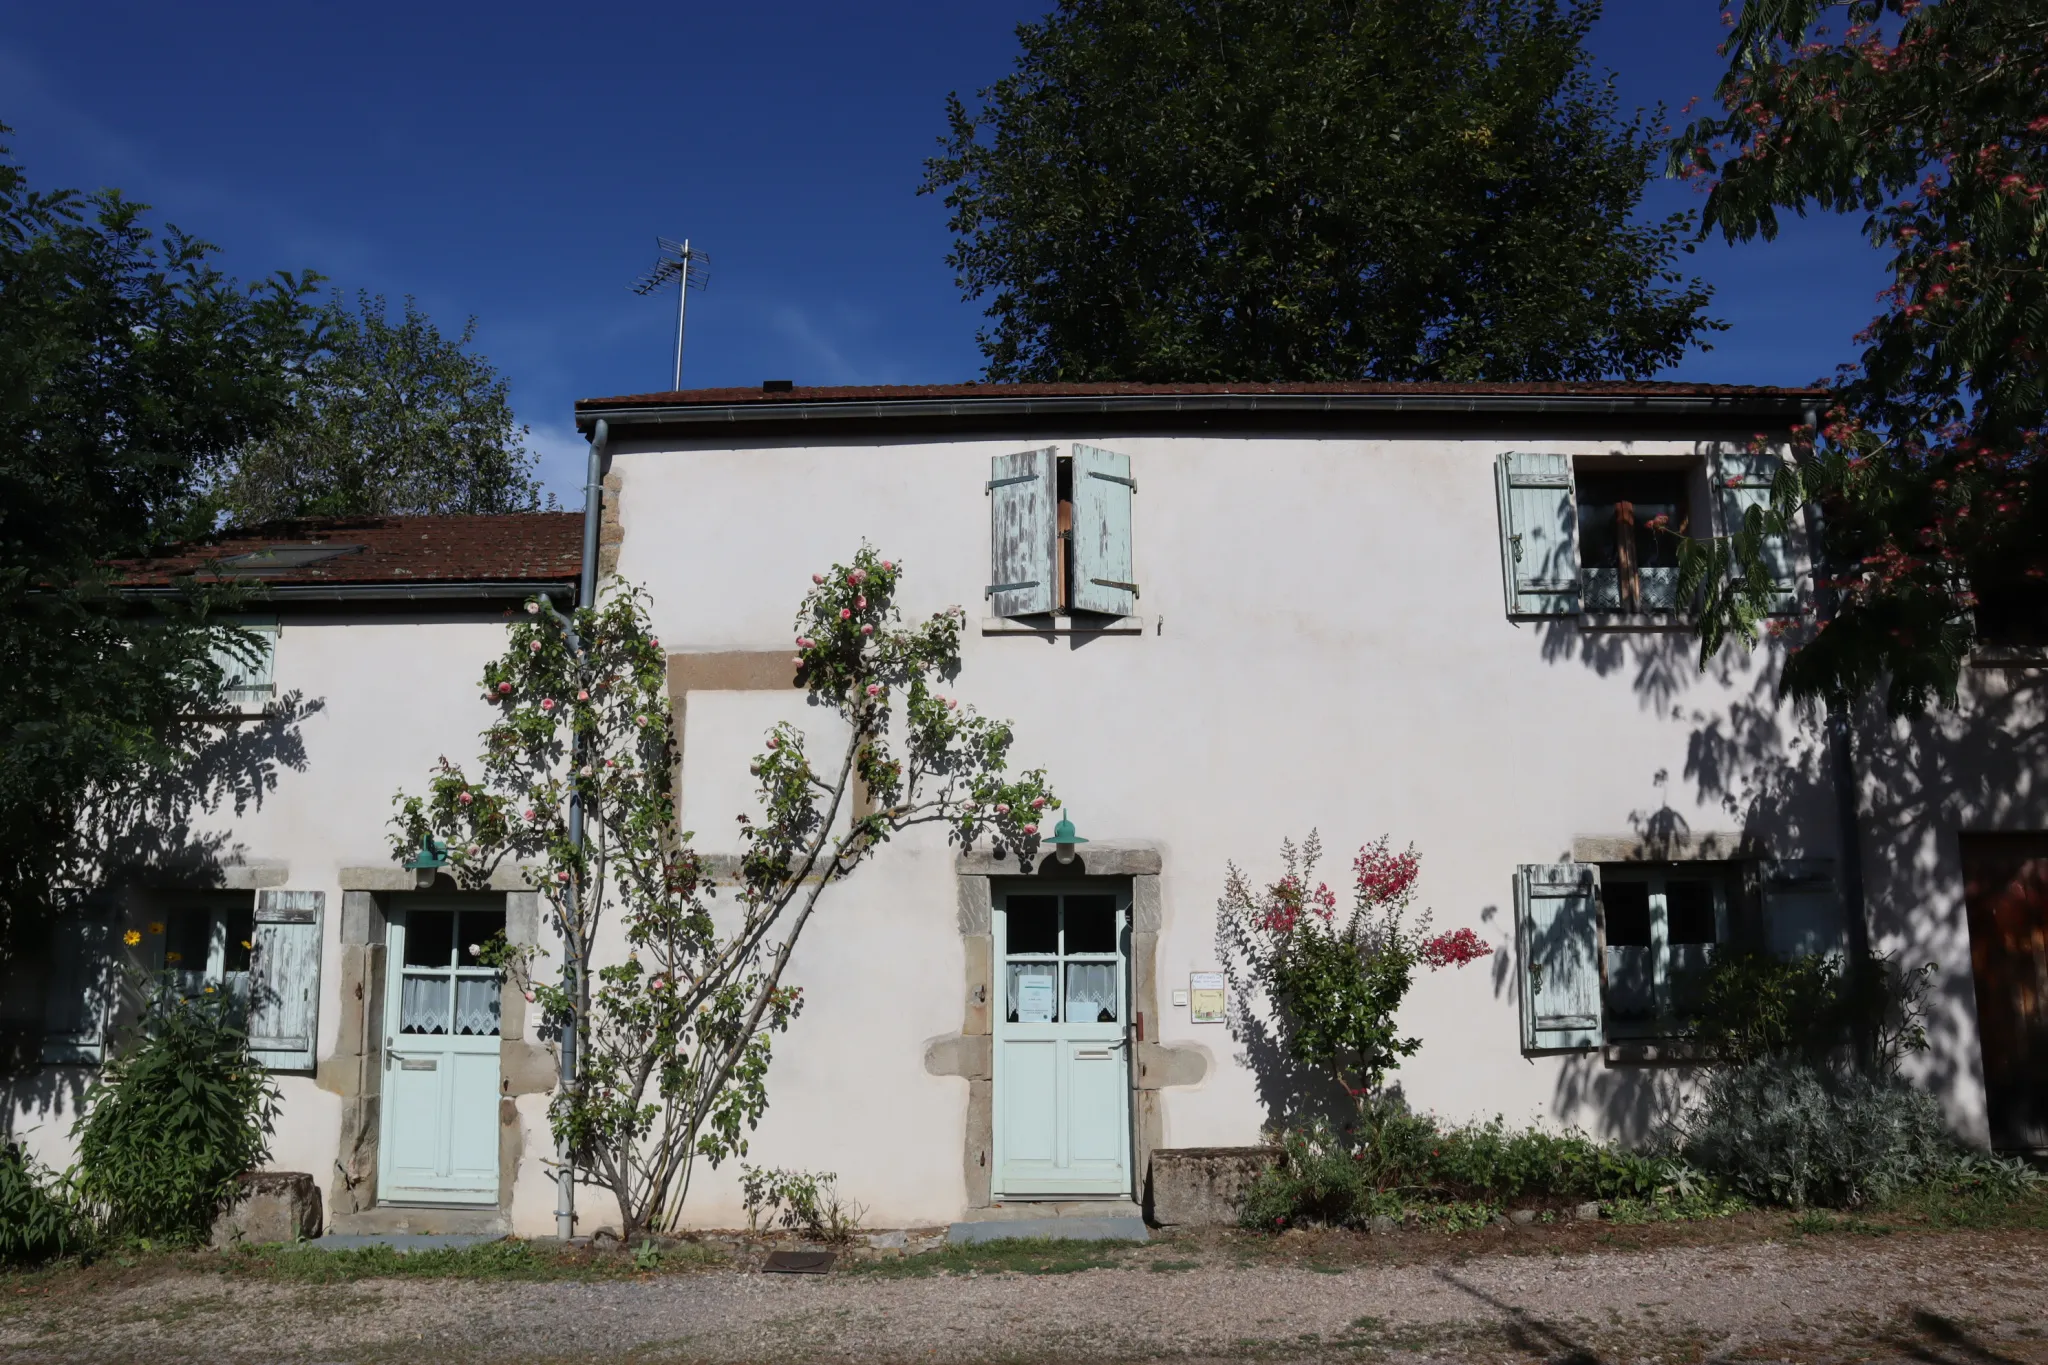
(1630, 527)
(1628, 914)
(2013, 611)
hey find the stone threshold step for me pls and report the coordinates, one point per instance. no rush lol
(1067, 1229)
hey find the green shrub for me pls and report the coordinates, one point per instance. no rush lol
(37, 1221)
(179, 1114)
(1786, 1131)
(1752, 1006)
(803, 1201)
(1398, 1162)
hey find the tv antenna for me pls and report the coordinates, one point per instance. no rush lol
(690, 268)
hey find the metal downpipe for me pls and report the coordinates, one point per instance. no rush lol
(573, 982)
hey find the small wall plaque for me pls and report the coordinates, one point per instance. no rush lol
(1205, 997)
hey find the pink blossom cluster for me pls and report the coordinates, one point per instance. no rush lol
(1453, 948)
(1385, 876)
(1288, 897)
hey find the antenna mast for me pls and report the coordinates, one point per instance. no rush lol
(690, 269)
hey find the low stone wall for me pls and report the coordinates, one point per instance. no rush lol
(1202, 1186)
(272, 1206)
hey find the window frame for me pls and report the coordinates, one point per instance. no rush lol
(1666, 1020)
(1628, 565)
(215, 973)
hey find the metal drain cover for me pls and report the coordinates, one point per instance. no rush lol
(798, 1262)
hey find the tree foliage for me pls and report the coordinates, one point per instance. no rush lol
(1931, 121)
(674, 1040)
(131, 371)
(390, 417)
(1174, 190)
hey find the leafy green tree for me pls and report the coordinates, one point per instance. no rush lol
(672, 1044)
(1925, 472)
(131, 371)
(1228, 190)
(390, 417)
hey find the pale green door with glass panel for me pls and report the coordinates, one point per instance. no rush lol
(439, 1141)
(1062, 1053)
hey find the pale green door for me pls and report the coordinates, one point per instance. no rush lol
(1062, 1054)
(439, 1140)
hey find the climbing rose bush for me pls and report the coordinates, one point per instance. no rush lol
(1324, 987)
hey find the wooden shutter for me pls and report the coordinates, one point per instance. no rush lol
(1539, 534)
(1104, 580)
(284, 979)
(1745, 485)
(81, 990)
(250, 684)
(1023, 533)
(1802, 910)
(1557, 935)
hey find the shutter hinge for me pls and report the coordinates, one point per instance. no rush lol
(995, 588)
(1131, 484)
(994, 484)
(1131, 588)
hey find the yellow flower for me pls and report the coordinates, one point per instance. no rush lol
(209, 990)
(156, 926)
(247, 944)
(174, 957)
(131, 938)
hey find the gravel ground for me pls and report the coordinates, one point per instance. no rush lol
(1951, 1298)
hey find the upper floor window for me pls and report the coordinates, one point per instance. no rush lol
(249, 676)
(1602, 535)
(1060, 533)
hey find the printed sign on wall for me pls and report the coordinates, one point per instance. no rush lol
(1205, 997)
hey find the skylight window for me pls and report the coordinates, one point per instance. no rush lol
(284, 558)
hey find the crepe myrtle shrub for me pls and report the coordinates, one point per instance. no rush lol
(1332, 982)
(672, 1043)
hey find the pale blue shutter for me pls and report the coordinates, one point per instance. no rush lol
(249, 684)
(1745, 490)
(79, 1004)
(1802, 911)
(284, 979)
(1104, 580)
(1539, 534)
(1557, 939)
(1023, 533)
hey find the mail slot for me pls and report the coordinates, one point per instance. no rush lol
(417, 1064)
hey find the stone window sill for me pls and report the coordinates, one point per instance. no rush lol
(1046, 627)
(1655, 1052)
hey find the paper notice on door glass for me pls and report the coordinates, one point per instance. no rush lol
(1205, 997)
(1035, 1000)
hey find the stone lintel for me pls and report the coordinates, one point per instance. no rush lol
(1097, 858)
(1705, 846)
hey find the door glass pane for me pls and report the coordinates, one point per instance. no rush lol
(240, 927)
(1032, 988)
(1690, 907)
(1628, 913)
(1091, 924)
(429, 938)
(423, 1002)
(1034, 924)
(476, 1006)
(477, 928)
(1091, 992)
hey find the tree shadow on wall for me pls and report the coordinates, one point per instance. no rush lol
(170, 834)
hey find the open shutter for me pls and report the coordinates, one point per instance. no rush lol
(1557, 932)
(1539, 534)
(80, 1002)
(284, 979)
(251, 683)
(1023, 533)
(1746, 485)
(1104, 580)
(1802, 909)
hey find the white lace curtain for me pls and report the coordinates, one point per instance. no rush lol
(1091, 992)
(423, 1004)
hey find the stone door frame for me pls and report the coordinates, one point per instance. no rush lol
(970, 1053)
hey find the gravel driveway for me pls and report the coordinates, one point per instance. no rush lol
(1965, 1298)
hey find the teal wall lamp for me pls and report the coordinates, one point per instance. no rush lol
(431, 858)
(1064, 839)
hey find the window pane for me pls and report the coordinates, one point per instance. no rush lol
(1631, 983)
(1689, 907)
(1032, 990)
(240, 926)
(1628, 913)
(188, 937)
(1091, 924)
(477, 928)
(476, 1006)
(1598, 547)
(1091, 993)
(1658, 498)
(1034, 924)
(429, 938)
(423, 1003)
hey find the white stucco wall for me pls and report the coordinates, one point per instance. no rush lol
(1325, 647)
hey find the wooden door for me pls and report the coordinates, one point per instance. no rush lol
(1062, 1063)
(439, 1141)
(2005, 886)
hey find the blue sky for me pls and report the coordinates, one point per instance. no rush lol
(515, 162)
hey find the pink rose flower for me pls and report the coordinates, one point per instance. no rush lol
(1031, 829)
(867, 630)
(952, 703)
(582, 694)
(1002, 808)
(887, 565)
(1038, 803)
(547, 703)
(504, 689)
(640, 720)
(817, 578)
(804, 642)
(465, 798)
(846, 613)
(798, 661)
(874, 689)
(561, 876)
(533, 815)
(860, 603)
(533, 608)
(774, 743)
(533, 646)
(528, 995)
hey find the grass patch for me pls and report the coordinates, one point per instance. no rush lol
(506, 1260)
(1014, 1255)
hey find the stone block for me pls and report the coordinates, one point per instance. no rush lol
(271, 1206)
(1203, 1186)
(1587, 1212)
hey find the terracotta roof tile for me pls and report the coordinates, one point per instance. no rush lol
(537, 547)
